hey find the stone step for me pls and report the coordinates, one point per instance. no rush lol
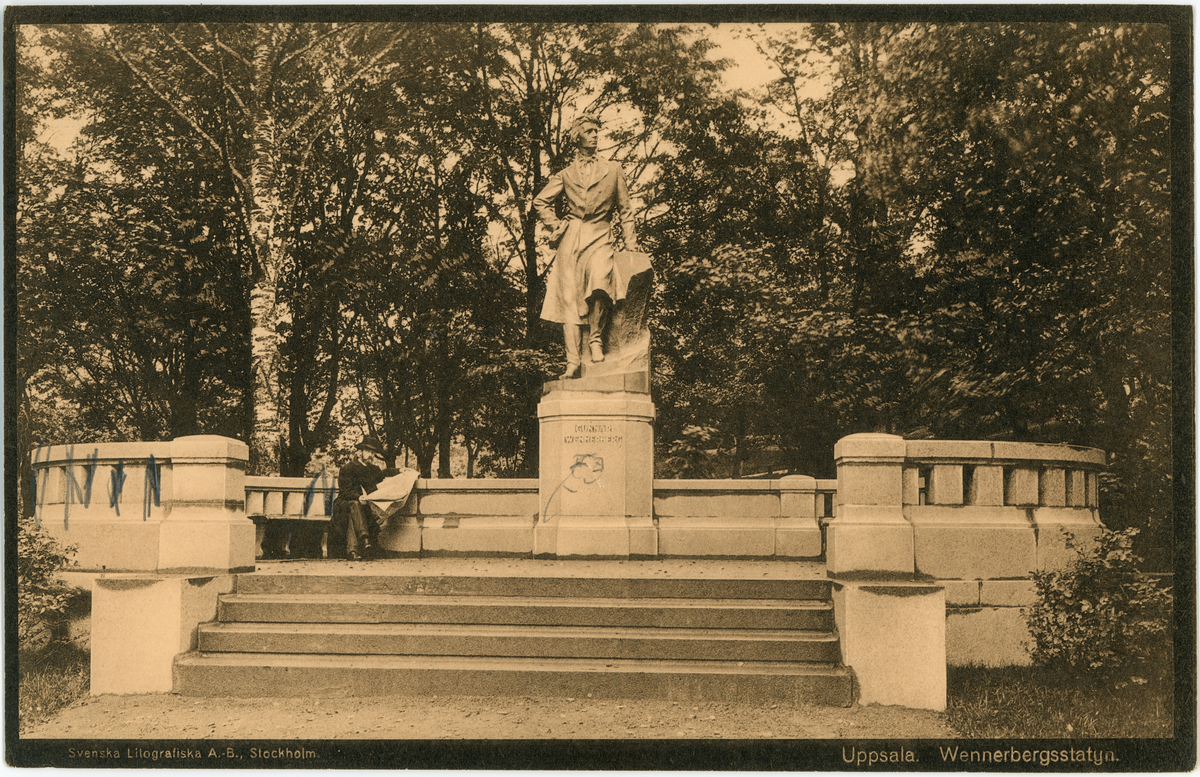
(262, 675)
(354, 639)
(536, 586)
(513, 610)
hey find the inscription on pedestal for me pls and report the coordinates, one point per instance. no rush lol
(593, 434)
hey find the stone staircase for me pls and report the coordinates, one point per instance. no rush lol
(563, 635)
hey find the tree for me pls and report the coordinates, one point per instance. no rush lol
(740, 242)
(134, 300)
(37, 177)
(257, 98)
(129, 285)
(276, 149)
(1007, 230)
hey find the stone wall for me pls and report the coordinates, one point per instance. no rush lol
(985, 515)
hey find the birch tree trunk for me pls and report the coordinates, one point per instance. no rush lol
(267, 310)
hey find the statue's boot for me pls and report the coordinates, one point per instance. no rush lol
(573, 336)
(597, 323)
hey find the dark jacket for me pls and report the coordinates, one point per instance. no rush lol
(356, 477)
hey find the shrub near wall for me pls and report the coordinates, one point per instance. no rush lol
(42, 599)
(1101, 616)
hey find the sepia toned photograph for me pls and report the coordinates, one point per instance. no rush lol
(738, 388)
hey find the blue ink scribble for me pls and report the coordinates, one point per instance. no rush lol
(91, 475)
(116, 485)
(151, 487)
(330, 497)
(72, 486)
(33, 476)
(587, 469)
(310, 493)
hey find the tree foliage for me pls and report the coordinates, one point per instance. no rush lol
(966, 235)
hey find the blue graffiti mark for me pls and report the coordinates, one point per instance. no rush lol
(75, 493)
(91, 475)
(151, 487)
(295, 526)
(312, 487)
(33, 476)
(72, 487)
(586, 469)
(117, 484)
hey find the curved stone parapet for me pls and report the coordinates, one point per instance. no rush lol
(977, 518)
(175, 506)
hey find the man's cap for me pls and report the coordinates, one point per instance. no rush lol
(371, 443)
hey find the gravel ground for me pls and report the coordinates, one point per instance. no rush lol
(167, 716)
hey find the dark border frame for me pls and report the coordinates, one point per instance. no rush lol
(1177, 754)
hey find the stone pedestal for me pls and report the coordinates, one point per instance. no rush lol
(596, 478)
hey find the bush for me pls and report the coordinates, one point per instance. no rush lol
(1101, 616)
(42, 599)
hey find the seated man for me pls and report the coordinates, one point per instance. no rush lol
(354, 532)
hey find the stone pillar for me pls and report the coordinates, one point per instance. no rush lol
(799, 533)
(141, 623)
(596, 478)
(893, 635)
(869, 536)
(207, 527)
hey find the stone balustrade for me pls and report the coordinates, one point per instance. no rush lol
(306, 499)
(998, 510)
(475, 517)
(961, 526)
(950, 509)
(778, 518)
(288, 512)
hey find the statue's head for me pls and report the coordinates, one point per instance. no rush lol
(582, 122)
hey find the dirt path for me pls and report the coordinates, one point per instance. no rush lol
(167, 716)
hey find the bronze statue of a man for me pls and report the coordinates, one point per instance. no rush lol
(580, 288)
